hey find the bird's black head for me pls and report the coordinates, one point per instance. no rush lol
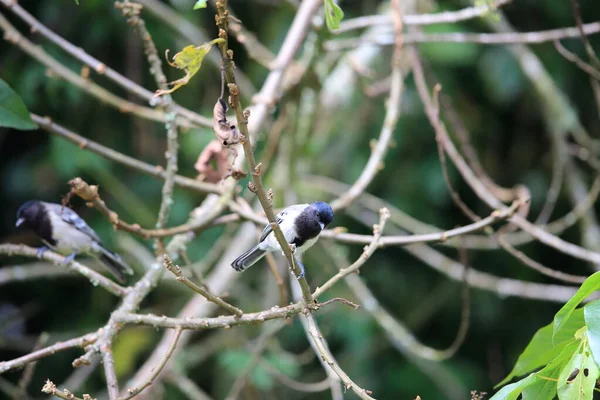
(28, 213)
(324, 212)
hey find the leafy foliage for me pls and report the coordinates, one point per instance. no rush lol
(13, 113)
(588, 287)
(333, 15)
(567, 350)
(190, 60)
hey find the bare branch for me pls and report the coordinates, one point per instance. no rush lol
(384, 214)
(131, 10)
(96, 65)
(324, 352)
(154, 170)
(302, 20)
(51, 389)
(392, 112)
(480, 189)
(110, 372)
(85, 84)
(444, 17)
(81, 341)
(135, 391)
(481, 38)
(175, 270)
(572, 57)
(59, 260)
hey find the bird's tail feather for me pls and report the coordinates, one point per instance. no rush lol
(248, 259)
(114, 263)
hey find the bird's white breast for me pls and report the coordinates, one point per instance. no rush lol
(289, 232)
(68, 238)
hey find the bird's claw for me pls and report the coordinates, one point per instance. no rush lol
(41, 251)
(69, 258)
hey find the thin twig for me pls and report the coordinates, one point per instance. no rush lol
(525, 259)
(223, 321)
(187, 386)
(81, 341)
(481, 38)
(572, 57)
(586, 43)
(154, 170)
(131, 11)
(30, 367)
(31, 271)
(294, 384)
(59, 260)
(96, 65)
(480, 189)
(329, 359)
(90, 193)
(398, 333)
(85, 84)
(306, 11)
(110, 372)
(392, 113)
(175, 270)
(258, 348)
(51, 389)
(137, 390)
(445, 17)
(454, 270)
(384, 215)
(442, 156)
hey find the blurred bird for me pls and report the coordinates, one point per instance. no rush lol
(62, 230)
(301, 225)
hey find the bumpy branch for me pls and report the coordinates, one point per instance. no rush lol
(242, 120)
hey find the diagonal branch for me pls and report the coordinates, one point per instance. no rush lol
(303, 18)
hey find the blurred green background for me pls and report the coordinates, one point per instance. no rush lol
(494, 98)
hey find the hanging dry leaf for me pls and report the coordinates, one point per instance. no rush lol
(226, 131)
(190, 60)
(212, 163)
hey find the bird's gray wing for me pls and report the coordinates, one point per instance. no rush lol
(295, 209)
(72, 218)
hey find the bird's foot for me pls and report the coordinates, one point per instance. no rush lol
(41, 251)
(301, 269)
(69, 258)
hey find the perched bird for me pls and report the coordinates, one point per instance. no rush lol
(61, 229)
(301, 225)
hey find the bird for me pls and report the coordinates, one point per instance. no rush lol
(64, 231)
(301, 225)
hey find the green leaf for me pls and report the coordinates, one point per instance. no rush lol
(76, 2)
(541, 350)
(578, 378)
(591, 284)
(512, 391)
(592, 320)
(13, 113)
(200, 4)
(333, 14)
(190, 60)
(545, 387)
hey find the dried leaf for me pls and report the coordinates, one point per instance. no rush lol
(190, 60)
(212, 163)
(226, 131)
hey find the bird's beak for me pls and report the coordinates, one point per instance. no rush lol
(19, 222)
